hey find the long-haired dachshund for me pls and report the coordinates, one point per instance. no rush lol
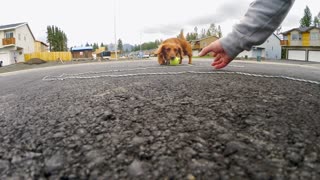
(172, 48)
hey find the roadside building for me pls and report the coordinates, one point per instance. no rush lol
(17, 40)
(82, 52)
(302, 44)
(270, 49)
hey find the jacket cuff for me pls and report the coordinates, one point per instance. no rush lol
(231, 45)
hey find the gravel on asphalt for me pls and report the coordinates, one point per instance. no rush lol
(190, 126)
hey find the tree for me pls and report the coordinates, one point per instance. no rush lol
(306, 20)
(196, 32)
(203, 33)
(219, 32)
(87, 44)
(188, 36)
(120, 45)
(95, 46)
(316, 21)
(49, 37)
(208, 33)
(56, 39)
(213, 30)
(101, 45)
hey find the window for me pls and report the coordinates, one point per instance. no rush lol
(25, 39)
(19, 36)
(296, 37)
(8, 35)
(314, 36)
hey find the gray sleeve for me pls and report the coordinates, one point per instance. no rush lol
(260, 21)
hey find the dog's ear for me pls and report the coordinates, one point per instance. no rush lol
(160, 48)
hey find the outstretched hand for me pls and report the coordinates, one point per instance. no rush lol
(221, 59)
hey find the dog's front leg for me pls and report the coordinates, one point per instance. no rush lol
(161, 60)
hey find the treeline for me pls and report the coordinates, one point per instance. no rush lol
(213, 30)
(307, 20)
(56, 39)
(147, 45)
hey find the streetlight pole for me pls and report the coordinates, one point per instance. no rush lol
(115, 30)
(140, 47)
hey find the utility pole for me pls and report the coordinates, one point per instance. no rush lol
(140, 48)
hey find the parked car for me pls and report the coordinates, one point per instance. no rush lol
(146, 56)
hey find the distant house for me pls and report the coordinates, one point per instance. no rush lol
(270, 49)
(17, 40)
(114, 56)
(198, 45)
(302, 44)
(82, 52)
(40, 46)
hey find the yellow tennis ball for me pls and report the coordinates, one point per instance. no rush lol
(175, 61)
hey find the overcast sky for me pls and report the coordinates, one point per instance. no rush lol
(136, 20)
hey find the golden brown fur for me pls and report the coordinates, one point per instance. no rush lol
(172, 48)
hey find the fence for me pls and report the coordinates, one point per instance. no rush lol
(49, 56)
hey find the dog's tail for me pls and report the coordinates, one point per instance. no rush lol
(181, 36)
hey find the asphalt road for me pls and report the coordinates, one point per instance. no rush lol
(139, 120)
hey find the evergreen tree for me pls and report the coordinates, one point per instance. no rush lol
(120, 45)
(219, 32)
(56, 39)
(306, 20)
(316, 22)
(195, 32)
(203, 33)
(212, 29)
(208, 33)
(95, 46)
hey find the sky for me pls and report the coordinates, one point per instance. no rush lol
(134, 21)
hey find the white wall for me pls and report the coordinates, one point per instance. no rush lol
(315, 42)
(195, 52)
(243, 54)
(314, 56)
(1, 37)
(295, 42)
(6, 55)
(272, 47)
(25, 40)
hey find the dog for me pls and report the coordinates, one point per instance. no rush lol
(172, 48)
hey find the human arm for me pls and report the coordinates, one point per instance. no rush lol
(259, 22)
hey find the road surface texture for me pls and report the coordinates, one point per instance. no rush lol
(139, 120)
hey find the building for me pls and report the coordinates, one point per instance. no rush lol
(82, 52)
(270, 49)
(198, 45)
(40, 46)
(17, 40)
(302, 44)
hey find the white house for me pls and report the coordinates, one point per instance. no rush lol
(270, 49)
(17, 40)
